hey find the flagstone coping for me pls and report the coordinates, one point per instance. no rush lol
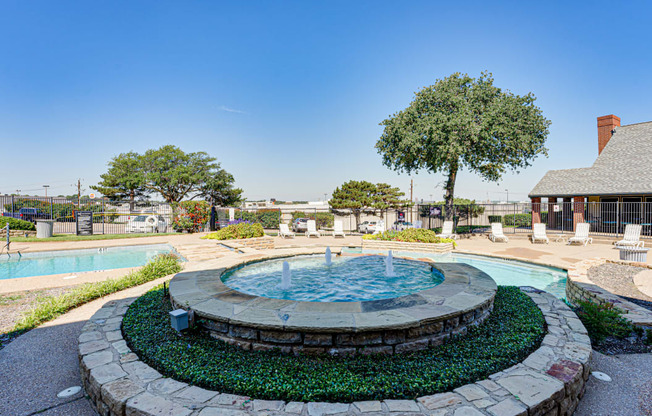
(550, 381)
(388, 326)
(580, 287)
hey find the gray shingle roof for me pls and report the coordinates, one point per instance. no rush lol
(622, 168)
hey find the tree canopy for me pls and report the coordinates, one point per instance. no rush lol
(170, 172)
(363, 196)
(124, 178)
(463, 122)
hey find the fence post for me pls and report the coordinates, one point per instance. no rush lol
(12, 204)
(514, 217)
(103, 215)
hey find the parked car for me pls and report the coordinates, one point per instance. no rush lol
(146, 224)
(28, 214)
(367, 227)
(300, 225)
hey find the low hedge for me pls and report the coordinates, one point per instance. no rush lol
(16, 224)
(517, 220)
(411, 235)
(237, 231)
(514, 330)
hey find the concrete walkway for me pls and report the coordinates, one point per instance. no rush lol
(41, 363)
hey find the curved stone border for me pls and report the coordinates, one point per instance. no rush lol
(580, 287)
(548, 382)
(405, 246)
(388, 326)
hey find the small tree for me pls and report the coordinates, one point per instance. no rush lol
(356, 196)
(124, 179)
(388, 197)
(462, 122)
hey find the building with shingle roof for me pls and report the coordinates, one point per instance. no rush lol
(617, 188)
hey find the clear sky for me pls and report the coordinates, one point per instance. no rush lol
(288, 95)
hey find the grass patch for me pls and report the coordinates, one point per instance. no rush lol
(73, 237)
(514, 330)
(9, 299)
(50, 307)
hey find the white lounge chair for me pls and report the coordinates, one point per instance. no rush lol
(497, 232)
(284, 231)
(581, 234)
(447, 231)
(338, 229)
(632, 237)
(312, 229)
(539, 233)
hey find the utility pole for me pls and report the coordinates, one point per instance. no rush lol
(411, 197)
(46, 190)
(78, 193)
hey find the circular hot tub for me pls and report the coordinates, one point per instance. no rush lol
(348, 307)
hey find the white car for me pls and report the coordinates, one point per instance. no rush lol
(367, 227)
(146, 224)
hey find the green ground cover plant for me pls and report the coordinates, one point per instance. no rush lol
(514, 329)
(51, 307)
(16, 224)
(411, 235)
(602, 321)
(237, 231)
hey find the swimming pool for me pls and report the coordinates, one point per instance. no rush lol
(77, 261)
(504, 272)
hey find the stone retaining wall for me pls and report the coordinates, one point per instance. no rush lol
(259, 243)
(402, 246)
(580, 287)
(548, 382)
(16, 233)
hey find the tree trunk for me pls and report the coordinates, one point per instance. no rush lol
(131, 201)
(356, 213)
(450, 190)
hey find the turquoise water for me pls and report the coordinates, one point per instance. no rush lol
(347, 279)
(504, 272)
(76, 261)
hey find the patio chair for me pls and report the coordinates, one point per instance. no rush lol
(338, 229)
(581, 234)
(447, 231)
(632, 237)
(284, 231)
(312, 228)
(539, 233)
(497, 232)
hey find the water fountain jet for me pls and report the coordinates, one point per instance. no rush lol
(328, 256)
(286, 277)
(389, 265)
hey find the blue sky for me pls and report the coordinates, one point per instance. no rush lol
(288, 95)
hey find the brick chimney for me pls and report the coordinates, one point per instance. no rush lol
(606, 126)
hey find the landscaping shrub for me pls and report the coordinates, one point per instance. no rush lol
(16, 224)
(602, 321)
(190, 216)
(322, 219)
(495, 218)
(236, 231)
(51, 307)
(411, 235)
(268, 218)
(517, 220)
(513, 331)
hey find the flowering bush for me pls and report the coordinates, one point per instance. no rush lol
(191, 216)
(236, 231)
(411, 235)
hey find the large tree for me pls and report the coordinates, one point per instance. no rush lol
(174, 174)
(463, 122)
(388, 197)
(124, 179)
(356, 196)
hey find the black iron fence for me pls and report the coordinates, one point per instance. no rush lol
(117, 217)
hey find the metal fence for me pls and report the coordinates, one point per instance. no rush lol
(109, 217)
(114, 217)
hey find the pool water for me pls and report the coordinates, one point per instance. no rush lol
(76, 261)
(504, 272)
(347, 279)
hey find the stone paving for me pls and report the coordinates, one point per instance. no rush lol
(549, 382)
